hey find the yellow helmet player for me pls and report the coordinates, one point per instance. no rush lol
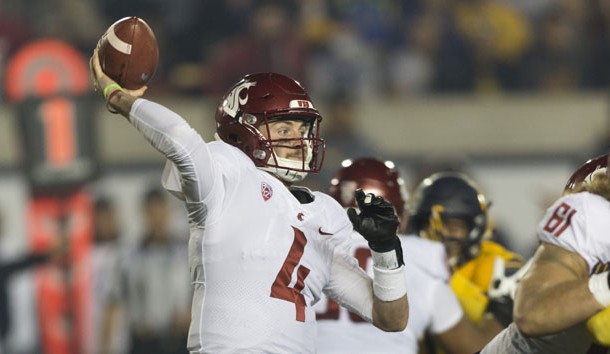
(448, 207)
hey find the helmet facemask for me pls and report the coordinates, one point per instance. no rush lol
(476, 229)
(308, 149)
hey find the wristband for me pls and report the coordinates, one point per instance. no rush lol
(386, 260)
(110, 87)
(389, 285)
(108, 107)
(599, 287)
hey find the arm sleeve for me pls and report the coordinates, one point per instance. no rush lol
(350, 286)
(171, 135)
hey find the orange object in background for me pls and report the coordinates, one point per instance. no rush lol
(64, 290)
(46, 68)
(48, 81)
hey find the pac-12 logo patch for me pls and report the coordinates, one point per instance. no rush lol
(266, 191)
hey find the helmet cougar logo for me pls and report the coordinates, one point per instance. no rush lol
(233, 101)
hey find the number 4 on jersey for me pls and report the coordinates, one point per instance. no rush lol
(281, 286)
(560, 220)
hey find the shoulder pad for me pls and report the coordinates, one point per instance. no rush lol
(303, 194)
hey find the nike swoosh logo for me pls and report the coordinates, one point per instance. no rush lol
(324, 233)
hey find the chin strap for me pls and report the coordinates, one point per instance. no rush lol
(286, 169)
(285, 174)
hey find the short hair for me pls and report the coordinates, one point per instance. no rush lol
(599, 184)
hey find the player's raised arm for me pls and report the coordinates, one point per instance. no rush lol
(166, 131)
(377, 223)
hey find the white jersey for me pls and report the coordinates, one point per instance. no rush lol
(258, 257)
(433, 306)
(578, 223)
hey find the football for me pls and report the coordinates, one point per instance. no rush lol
(128, 52)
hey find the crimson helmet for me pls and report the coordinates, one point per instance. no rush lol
(599, 164)
(255, 101)
(450, 195)
(373, 176)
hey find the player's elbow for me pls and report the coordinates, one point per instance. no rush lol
(397, 325)
(528, 323)
(392, 316)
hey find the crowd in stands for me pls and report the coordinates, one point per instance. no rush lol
(364, 47)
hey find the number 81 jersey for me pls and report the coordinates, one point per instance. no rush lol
(579, 223)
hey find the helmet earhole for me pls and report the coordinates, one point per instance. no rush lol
(250, 119)
(234, 138)
(259, 154)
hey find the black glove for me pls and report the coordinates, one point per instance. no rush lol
(502, 288)
(502, 309)
(377, 223)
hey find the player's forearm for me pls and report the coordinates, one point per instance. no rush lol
(121, 102)
(465, 337)
(542, 311)
(165, 130)
(391, 316)
(390, 304)
(488, 328)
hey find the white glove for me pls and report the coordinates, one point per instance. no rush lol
(503, 285)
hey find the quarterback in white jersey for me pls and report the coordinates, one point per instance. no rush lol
(434, 308)
(566, 293)
(260, 253)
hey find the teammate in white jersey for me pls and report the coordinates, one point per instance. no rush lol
(563, 301)
(434, 308)
(260, 253)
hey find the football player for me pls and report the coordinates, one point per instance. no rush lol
(433, 308)
(562, 303)
(448, 207)
(260, 251)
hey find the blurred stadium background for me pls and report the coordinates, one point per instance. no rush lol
(513, 92)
